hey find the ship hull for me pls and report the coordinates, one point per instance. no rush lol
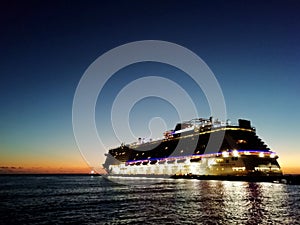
(242, 164)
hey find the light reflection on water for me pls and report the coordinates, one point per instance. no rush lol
(86, 200)
(226, 202)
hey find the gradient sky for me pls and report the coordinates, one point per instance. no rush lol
(252, 47)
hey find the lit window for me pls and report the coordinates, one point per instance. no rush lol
(235, 153)
(241, 141)
(225, 154)
(238, 168)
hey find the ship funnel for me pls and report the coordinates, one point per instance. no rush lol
(245, 124)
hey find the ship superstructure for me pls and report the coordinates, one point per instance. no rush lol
(185, 151)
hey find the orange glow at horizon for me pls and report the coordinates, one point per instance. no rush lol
(46, 167)
(69, 160)
(83, 169)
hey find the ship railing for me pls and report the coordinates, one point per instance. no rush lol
(203, 130)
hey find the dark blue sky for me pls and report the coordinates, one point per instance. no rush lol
(45, 46)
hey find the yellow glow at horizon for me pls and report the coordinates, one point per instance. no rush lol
(68, 160)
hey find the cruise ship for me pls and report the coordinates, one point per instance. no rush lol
(196, 147)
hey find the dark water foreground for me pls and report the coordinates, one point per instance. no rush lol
(94, 200)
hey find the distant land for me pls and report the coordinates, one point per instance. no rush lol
(83, 170)
(43, 170)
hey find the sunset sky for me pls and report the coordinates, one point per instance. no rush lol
(252, 47)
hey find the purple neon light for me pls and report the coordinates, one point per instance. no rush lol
(200, 155)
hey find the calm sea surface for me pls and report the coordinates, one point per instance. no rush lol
(94, 200)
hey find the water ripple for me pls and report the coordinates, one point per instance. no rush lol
(93, 200)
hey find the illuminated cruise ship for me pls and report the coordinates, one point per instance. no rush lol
(197, 147)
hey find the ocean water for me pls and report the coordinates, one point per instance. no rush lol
(95, 200)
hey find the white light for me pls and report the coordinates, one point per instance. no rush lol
(235, 153)
(272, 155)
(261, 154)
(225, 154)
